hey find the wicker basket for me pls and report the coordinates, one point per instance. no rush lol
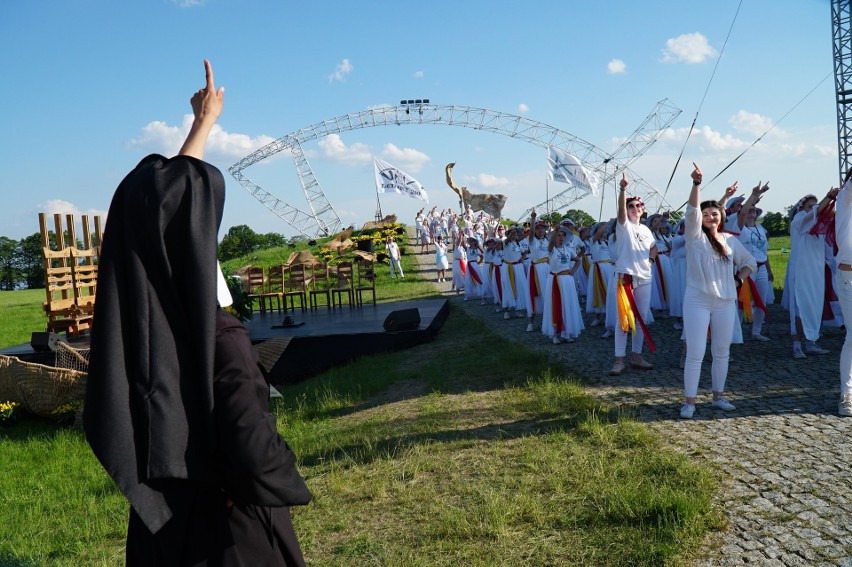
(39, 388)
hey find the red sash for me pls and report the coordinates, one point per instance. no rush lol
(627, 284)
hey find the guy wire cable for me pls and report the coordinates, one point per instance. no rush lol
(810, 92)
(703, 98)
(770, 128)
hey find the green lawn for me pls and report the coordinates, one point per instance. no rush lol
(412, 461)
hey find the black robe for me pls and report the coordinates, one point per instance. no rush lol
(158, 413)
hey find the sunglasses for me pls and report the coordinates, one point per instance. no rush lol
(635, 206)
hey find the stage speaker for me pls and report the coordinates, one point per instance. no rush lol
(366, 246)
(402, 320)
(43, 342)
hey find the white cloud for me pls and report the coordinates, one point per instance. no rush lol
(335, 149)
(751, 123)
(59, 206)
(409, 159)
(688, 48)
(343, 69)
(161, 137)
(616, 66)
(523, 108)
(188, 3)
(485, 181)
(380, 106)
(418, 75)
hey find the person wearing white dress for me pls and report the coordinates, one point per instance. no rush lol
(538, 270)
(563, 318)
(600, 275)
(805, 281)
(473, 276)
(636, 249)
(717, 265)
(459, 265)
(441, 258)
(514, 278)
(755, 239)
(661, 271)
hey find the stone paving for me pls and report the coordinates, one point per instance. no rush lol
(781, 454)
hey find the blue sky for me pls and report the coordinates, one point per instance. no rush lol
(90, 87)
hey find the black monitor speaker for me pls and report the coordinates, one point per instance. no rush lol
(402, 320)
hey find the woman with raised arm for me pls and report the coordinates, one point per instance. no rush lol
(176, 402)
(756, 241)
(716, 266)
(636, 249)
(804, 285)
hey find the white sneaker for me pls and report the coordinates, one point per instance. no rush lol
(845, 406)
(759, 337)
(678, 326)
(814, 348)
(498, 310)
(556, 340)
(687, 411)
(568, 340)
(530, 327)
(506, 315)
(607, 334)
(595, 323)
(723, 404)
(797, 353)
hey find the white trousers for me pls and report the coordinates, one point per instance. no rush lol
(764, 289)
(843, 289)
(394, 263)
(701, 311)
(642, 295)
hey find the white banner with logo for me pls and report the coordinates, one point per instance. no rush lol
(391, 179)
(565, 168)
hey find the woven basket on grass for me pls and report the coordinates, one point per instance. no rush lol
(38, 388)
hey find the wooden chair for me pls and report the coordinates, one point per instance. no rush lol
(345, 284)
(320, 285)
(256, 287)
(70, 274)
(296, 286)
(366, 280)
(274, 287)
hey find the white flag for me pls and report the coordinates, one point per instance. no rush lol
(390, 179)
(565, 168)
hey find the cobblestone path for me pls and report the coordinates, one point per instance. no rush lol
(787, 488)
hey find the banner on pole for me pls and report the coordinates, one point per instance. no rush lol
(566, 168)
(390, 179)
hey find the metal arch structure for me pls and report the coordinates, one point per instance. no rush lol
(322, 220)
(841, 25)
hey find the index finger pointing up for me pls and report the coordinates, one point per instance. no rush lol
(208, 70)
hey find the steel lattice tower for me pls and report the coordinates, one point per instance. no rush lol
(841, 23)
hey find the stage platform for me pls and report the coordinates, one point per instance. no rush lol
(325, 337)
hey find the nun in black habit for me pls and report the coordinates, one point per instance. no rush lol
(176, 405)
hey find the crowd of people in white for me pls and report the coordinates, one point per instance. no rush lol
(710, 270)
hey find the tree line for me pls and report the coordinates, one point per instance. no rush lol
(21, 260)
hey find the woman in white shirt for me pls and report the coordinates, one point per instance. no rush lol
(636, 249)
(716, 265)
(601, 273)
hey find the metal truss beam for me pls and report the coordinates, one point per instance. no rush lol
(322, 219)
(841, 20)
